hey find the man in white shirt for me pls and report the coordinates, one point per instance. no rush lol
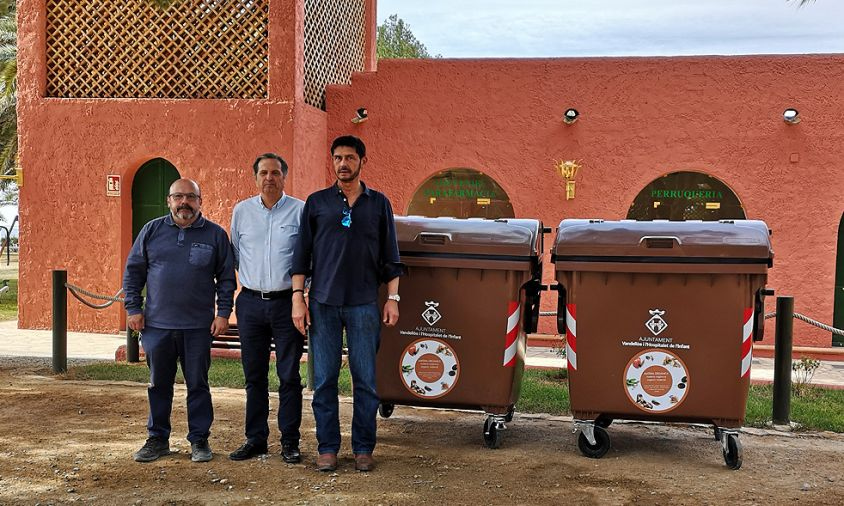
(263, 233)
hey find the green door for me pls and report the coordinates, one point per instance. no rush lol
(149, 192)
(838, 311)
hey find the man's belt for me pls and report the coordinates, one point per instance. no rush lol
(268, 295)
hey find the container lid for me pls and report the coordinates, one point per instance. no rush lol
(726, 241)
(504, 239)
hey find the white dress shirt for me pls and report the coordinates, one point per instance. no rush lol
(263, 241)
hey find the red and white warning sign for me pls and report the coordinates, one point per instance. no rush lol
(112, 185)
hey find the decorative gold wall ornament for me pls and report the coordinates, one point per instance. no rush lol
(568, 170)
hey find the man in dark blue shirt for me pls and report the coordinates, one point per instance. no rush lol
(347, 245)
(185, 262)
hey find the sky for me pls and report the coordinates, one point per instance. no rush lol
(550, 28)
(8, 213)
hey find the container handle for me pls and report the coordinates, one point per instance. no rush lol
(660, 241)
(561, 307)
(759, 311)
(431, 238)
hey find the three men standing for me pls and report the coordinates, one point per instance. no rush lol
(185, 261)
(347, 245)
(343, 238)
(263, 233)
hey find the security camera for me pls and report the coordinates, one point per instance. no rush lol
(791, 116)
(360, 116)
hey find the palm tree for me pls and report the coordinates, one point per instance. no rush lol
(8, 89)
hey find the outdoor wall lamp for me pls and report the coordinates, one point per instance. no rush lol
(360, 116)
(570, 116)
(791, 116)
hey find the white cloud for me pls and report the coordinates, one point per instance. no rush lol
(533, 28)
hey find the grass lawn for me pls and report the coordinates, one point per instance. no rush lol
(224, 373)
(9, 300)
(542, 392)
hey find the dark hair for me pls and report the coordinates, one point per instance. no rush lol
(349, 141)
(270, 156)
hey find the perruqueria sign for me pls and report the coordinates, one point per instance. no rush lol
(687, 194)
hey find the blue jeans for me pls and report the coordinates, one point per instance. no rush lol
(192, 349)
(363, 334)
(261, 322)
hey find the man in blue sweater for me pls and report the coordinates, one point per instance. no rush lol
(185, 262)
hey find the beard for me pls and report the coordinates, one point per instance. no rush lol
(185, 212)
(351, 175)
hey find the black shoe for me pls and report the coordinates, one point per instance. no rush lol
(248, 450)
(154, 448)
(290, 452)
(200, 451)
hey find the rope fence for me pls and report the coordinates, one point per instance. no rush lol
(78, 292)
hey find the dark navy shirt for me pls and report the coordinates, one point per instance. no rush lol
(184, 269)
(346, 264)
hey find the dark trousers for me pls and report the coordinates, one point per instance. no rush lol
(192, 349)
(262, 322)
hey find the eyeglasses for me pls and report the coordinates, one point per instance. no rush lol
(346, 219)
(190, 197)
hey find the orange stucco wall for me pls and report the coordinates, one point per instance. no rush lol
(640, 118)
(69, 146)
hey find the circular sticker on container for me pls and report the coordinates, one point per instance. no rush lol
(429, 368)
(656, 381)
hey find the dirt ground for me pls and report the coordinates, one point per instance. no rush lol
(65, 442)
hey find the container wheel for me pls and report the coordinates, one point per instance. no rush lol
(601, 446)
(603, 422)
(492, 436)
(385, 410)
(510, 412)
(732, 453)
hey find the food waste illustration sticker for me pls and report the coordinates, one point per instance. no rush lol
(429, 368)
(656, 380)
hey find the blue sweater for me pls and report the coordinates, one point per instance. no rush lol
(183, 270)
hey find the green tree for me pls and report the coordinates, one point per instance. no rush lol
(395, 40)
(8, 90)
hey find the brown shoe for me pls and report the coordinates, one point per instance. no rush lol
(364, 462)
(326, 462)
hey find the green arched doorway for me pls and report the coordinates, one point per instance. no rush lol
(149, 192)
(461, 193)
(686, 196)
(838, 310)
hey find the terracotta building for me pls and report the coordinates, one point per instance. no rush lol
(116, 99)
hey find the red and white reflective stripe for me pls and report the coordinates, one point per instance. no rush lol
(511, 343)
(747, 342)
(571, 336)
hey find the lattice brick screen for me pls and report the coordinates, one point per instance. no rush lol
(130, 48)
(334, 45)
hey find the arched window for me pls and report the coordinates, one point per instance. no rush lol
(686, 196)
(461, 193)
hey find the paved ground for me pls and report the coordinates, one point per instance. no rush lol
(39, 343)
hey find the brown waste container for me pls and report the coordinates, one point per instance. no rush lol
(660, 319)
(470, 294)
